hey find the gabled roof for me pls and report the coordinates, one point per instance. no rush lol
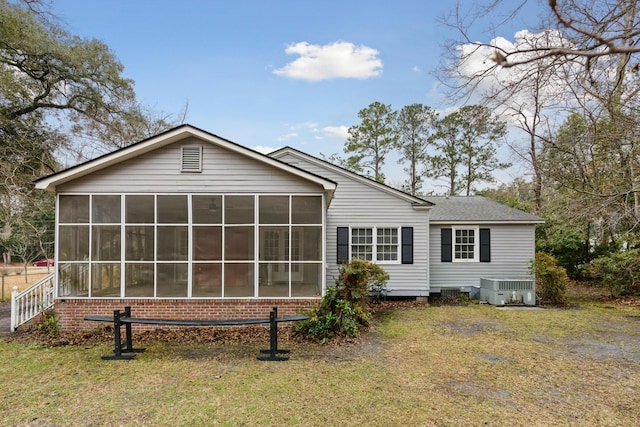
(418, 203)
(476, 210)
(173, 135)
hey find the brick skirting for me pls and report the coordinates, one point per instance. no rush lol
(71, 312)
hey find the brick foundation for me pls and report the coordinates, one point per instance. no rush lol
(71, 312)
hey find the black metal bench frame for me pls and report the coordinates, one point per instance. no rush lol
(126, 351)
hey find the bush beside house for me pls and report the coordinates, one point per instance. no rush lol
(345, 308)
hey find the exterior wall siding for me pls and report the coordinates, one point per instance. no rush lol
(71, 312)
(158, 172)
(223, 171)
(357, 204)
(512, 249)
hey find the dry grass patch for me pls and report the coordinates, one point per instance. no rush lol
(477, 365)
(15, 276)
(442, 366)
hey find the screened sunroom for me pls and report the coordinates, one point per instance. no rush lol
(190, 245)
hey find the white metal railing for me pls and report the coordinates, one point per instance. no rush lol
(32, 301)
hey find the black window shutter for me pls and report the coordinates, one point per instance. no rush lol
(407, 245)
(446, 246)
(485, 245)
(343, 245)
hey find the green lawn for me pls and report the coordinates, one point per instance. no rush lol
(443, 366)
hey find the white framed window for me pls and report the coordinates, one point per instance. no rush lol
(377, 244)
(466, 244)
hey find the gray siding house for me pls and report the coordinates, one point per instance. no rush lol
(188, 224)
(473, 238)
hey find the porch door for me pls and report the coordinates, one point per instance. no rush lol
(274, 245)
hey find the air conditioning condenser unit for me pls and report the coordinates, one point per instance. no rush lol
(508, 291)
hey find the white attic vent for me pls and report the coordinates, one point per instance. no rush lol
(191, 160)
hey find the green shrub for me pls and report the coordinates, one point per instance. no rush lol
(344, 308)
(356, 279)
(619, 272)
(551, 280)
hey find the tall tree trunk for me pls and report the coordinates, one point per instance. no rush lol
(413, 177)
(537, 171)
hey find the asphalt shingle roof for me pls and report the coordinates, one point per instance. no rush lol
(476, 209)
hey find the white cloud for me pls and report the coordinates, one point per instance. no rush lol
(287, 136)
(331, 61)
(477, 59)
(336, 132)
(416, 69)
(496, 79)
(264, 149)
(313, 126)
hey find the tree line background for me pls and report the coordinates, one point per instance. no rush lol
(570, 88)
(56, 89)
(459, 148)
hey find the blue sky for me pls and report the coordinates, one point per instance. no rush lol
(266, 74)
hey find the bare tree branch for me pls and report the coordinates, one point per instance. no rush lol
(596, 43)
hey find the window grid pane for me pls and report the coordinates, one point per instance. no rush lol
(306, 210)
(73, 243)
(139, 209)
(106, 243)
(172, 280)
(273, 209)
(238, 210)
(465, 244)
(74, 209)
(105, 209)
(207, 280)
(362, 243)
(172, 243)
(207, 243)
(387, 244)
(206, 209)
(105, 280)
(172, 209)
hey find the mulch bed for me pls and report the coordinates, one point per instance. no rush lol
(260, 334)
(104, 334)
(190, 335)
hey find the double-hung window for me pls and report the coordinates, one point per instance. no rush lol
(466, 244)
(362, 243)
(378, 244)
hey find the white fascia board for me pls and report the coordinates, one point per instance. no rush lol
(169, 137)
(74, 172)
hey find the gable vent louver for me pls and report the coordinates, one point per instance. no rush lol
(191, 159)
